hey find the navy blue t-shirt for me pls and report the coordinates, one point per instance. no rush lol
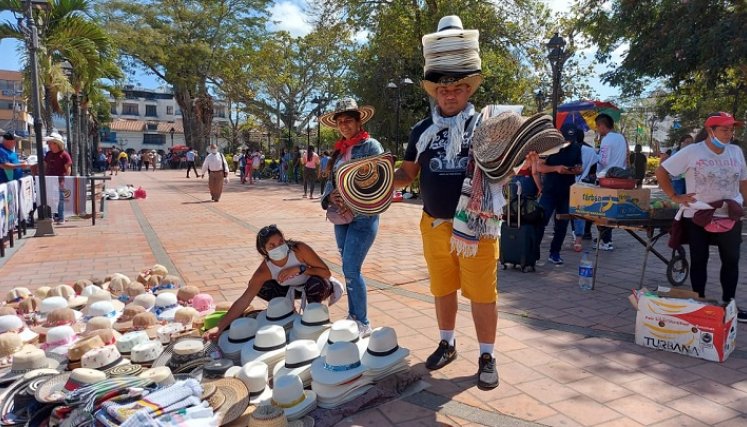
(568, 156)
(440, 180)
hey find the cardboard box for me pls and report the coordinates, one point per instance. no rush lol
(686, 326)
(610, 203)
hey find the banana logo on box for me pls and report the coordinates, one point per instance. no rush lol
(660, 307)
(608, 205)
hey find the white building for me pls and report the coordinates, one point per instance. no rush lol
(150, 119)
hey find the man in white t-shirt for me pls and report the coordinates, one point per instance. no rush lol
(714, 171)
(613, 152)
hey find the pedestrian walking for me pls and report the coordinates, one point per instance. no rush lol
(355, 235)
(123, 159)
(310, 171)
(58, 163)
(613, 152)
(445, 137)
(295, 164)
(715, 174)
(638, 162)
(287, 266)
(217, 168)
(190, 156)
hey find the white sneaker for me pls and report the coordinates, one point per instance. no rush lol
(606, 246)
(363, 330)
(338, 290)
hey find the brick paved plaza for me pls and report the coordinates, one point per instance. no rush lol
(566, 357)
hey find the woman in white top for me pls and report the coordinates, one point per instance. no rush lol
(288, 265)
(715, 172)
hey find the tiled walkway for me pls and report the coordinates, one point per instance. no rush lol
(566, 357)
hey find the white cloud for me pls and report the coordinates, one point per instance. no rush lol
(289, 16)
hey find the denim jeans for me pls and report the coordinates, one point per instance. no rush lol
(353, 241)
(555, 202)
(61, 206)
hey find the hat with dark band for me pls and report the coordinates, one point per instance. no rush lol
(345, 105)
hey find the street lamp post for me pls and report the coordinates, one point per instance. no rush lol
(67, 69)
(44, 224)
(171, 132)
(404, 83)
(318, 101)
(557, 56)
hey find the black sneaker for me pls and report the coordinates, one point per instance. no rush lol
(742, 316)
(443, 355)
(487, 375)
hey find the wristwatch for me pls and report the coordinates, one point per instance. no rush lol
(302, 268)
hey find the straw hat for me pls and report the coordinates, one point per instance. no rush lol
(255, 376)
(343, 330)
(186, 316)
(76, 351)
(341, 364)
(67, 292)
(298, 358)
(6, 310)
(146, 353)
(186, 294)
(16, 295)
(29, 305)
(59, 339)
(216, 368)
(26, 360)
(268, 346)
(169, 283)
(124, 322)
(239, 333)
(187, 349)
(130, 340)
(103, 358)
(81, 284)
(452, 57)
(383, 350)
(10, 343)
(133, 289)
(311, 324)
(146, 322)
(161, 376)
(96, 297)
(55, 138)
(104, 309)
(59, 317)
(237, 398)
(116, 284)
(166, 306)
(54, 388)
(50, 304)
(147, 301)
(272, 416)
(367, 185)
(159, 270)
(13, 323)
(346, 105)
(42, 291)
(288, 394)
(203, 303)
(165, 332)
(280, 311)
(332, 396)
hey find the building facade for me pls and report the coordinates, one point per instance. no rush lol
(150, 119)
(14, 116)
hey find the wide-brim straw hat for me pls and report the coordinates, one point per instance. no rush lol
(452, 57)
(52, 390)
(346, 105)
(367, 185)
(383, 350)
(239, 333)
(209, 351)
(28, 382)
(272, 416)
(267, 346)
(471, 80)
(28, 359)
(342, 330)
(237, 398)
(341, 364)
(288, 394)
(299, 355)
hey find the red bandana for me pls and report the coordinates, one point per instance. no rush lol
(342, 145)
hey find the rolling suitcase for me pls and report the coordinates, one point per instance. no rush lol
(517, 243)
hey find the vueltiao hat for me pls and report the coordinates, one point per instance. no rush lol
(311, 324)
(452, 57)
(272, 416)
(367, 184)
(237, 398)
(299, 355)
(289, 395)
(346, 105)
(254, 375)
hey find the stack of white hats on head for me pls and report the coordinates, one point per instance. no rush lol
(337, 377)
(384, 356)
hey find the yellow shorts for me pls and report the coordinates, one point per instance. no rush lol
(476, 276)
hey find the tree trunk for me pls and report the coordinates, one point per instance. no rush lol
(75, 131)
(46, 113)
(197, 117)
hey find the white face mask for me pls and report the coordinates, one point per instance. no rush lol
(279, 253)
(214, 150)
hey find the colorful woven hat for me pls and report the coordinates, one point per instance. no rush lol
(346, 105)
(367, 185)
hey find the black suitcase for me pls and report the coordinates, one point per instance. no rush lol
(517, 243)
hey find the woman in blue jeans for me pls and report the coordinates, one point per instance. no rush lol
(355, 238)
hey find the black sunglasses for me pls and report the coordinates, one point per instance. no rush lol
(264, 231)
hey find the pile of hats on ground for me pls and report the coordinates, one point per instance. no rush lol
(130, 352)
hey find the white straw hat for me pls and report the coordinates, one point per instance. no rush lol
(280, 311)
(311, 324)
(342, 330)
(299, 355)
(383, 350)
(268, 346)
(165, 306)
(241, 331)
(289, 395)
(341, 364)
(254, 375)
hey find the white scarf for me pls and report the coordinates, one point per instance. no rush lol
(455, 124)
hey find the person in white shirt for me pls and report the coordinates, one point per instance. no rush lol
(715, 172)
(190, 157)
(217, 168)
(613, 152)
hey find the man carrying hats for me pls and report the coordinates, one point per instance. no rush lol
(58, 163)
(12, 167)
(437, 153)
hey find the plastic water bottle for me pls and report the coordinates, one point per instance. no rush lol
(585, 272)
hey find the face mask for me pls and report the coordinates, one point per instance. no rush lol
(279, 253)
(214, 150)
(720, 145)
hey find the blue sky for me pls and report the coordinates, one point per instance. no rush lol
(286, 15)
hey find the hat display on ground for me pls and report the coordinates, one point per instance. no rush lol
(343, 330)
(341, 364)
(26, 360)
(384, 355)
(237, 398)
(280, 311)
(52, 303)
(165, 306)
(333, 396)
(288, 393)
(345, 105)
(146, 353)
(103, 358)
(129, 340)
(272, 416)
(268, 346)
(124, 321)
(10, 343)
(452, 56)
(187, 352)
(299, 355)
(255, 376)
(67, 292)
(161, 376)
(13, 323)
(367, 185)
(240, 332)
(76, 351)
(59, 339)
(54, 388)
(311, 324)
